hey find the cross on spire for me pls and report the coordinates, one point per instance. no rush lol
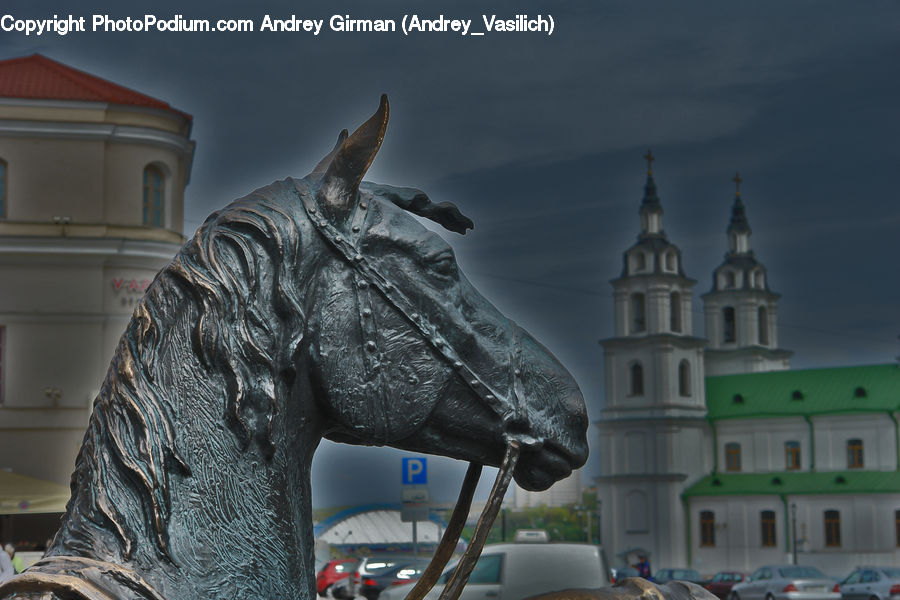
(737, 184)
(649, 158)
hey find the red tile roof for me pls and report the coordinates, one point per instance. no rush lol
(39, 77)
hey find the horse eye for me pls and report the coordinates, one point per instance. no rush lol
(444, 264)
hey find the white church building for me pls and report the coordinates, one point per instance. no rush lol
(715, 455)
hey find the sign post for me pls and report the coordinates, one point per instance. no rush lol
(416, 500)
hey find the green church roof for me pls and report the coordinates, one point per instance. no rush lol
(844, 390)
(835, 482)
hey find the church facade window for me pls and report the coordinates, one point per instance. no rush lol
(638, 313)
(684, 378)
(707, 528)
(855, 454)
(675, 312)
(636, 373)
(792, 455)
(154, 197)
(833, 528)
(767, 528)
(728, 325)
(638, 262)
(670, 261)
(732, 456)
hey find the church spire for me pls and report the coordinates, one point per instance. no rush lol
(651, 208)
(739, 228)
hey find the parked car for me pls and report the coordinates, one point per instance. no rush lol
(368, 567)
(786, 582)
(619, 573)
(521, 570)
(372, 585)
(333, 571)
(667, 575)
(871, 583)
(722, 582)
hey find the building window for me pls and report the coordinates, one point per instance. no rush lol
(730, 280)
(675, 312)
(684, 378)
(767, 526)
(154, 196)
(638, 261)
(638, 313)
(670, 261)
(897, 526)
(832, 528)
(636, 512)
(637, 380)
(854, 454)
(707, 528)
(792, 455)
(3, 188)
(762, 321)
(728, 329)
(732, 456)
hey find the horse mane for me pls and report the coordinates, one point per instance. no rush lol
(226, 284)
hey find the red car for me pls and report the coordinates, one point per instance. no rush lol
(334, 570)
(720, 584)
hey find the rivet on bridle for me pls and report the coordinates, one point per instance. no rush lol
(312, 209)
(356, 229)
(474, 383)
(370, 346)
(518, 373)
(489, 397)
(362, 205)
(358, 257)
(362, 285)
(367, 312)
(338, 239)
(323, 223)
(457, 365)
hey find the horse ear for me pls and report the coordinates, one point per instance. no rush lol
(323, 164)
(348, 166)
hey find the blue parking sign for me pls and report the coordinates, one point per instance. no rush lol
(415, 471)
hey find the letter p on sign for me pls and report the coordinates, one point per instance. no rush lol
(414, 471)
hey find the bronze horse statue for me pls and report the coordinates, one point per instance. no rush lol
(315, 307)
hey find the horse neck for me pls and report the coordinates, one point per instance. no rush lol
(184, 502)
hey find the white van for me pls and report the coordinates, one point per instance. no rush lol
(517, 571)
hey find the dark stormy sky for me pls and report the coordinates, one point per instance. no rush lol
(539, 138)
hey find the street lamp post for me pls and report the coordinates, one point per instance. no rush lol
(794, 531)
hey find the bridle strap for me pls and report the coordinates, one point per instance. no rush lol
(505, 408)
(450, 539)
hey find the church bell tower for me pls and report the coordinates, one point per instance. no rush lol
(740, 309)
(653, 435)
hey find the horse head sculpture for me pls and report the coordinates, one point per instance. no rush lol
(315, 307)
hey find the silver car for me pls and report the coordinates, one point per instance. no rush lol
(872, 583)
(786, 582)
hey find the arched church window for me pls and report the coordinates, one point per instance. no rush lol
(767, 526)
(762, 321)
(3, 188)
(684, 378)
(154, 196)
(730, 280)
(707, 528)
(732, 456)
(833, 528)
(675, 312)
(670, 261)
(728, 325)
(759, 280)
(638, 313)
(637, 380)
(638, 261)
(855, 454)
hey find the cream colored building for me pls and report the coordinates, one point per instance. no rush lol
(92, 179)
